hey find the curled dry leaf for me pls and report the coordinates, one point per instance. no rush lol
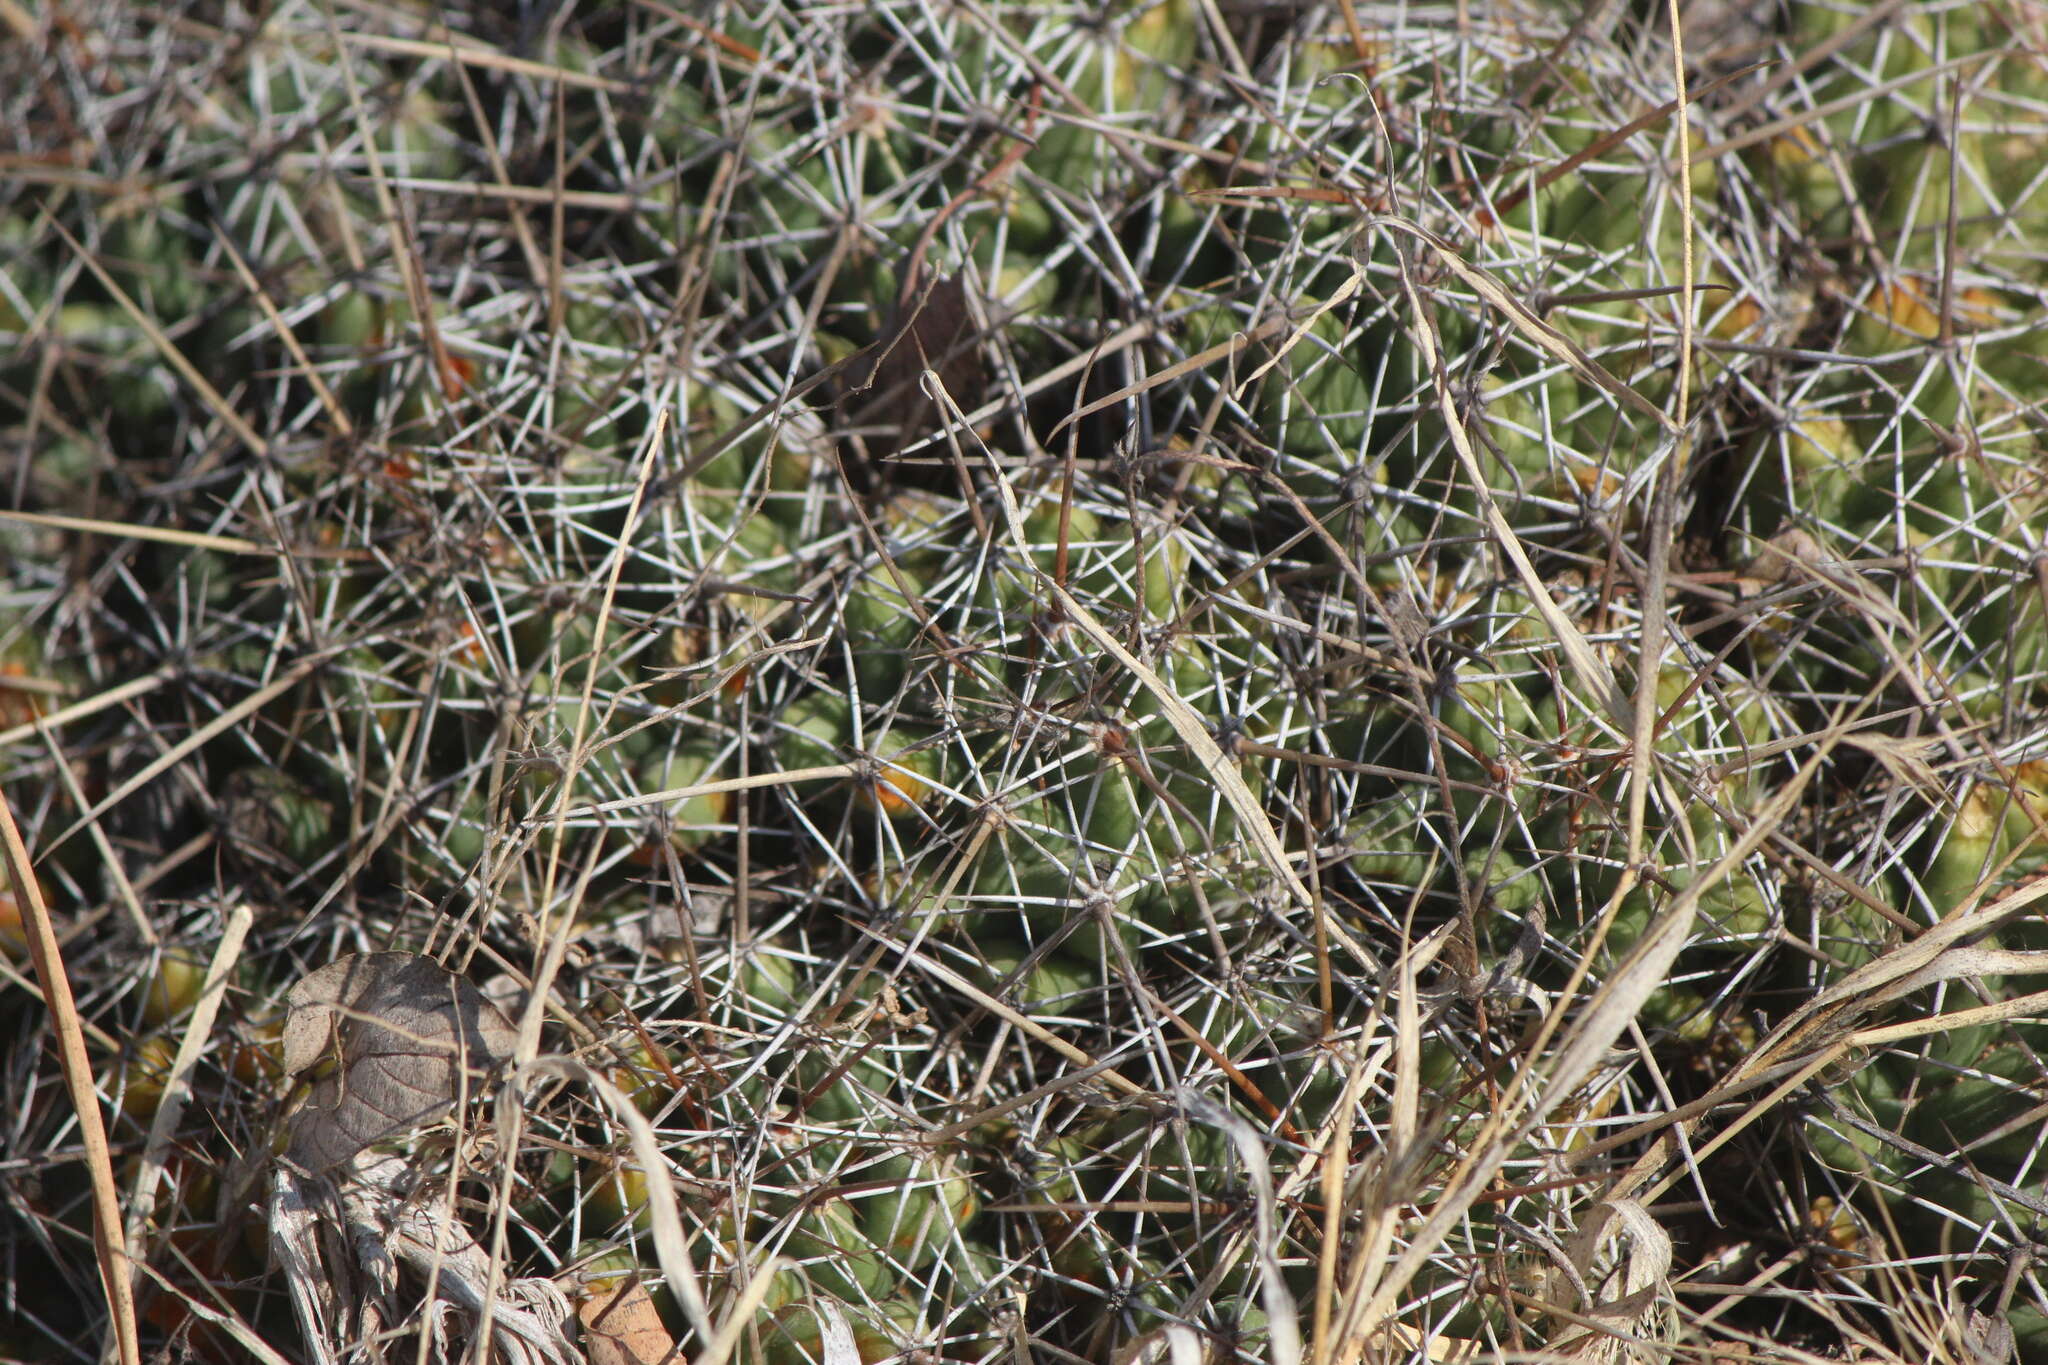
(407, 1038)
(933, 325)
(348, 1243)
(621, 1325)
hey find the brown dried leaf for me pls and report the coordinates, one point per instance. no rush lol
(620, 1324)
(407, 1037)
(933, 327)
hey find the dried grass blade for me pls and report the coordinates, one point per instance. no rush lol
(1283, 1324)
(2019, 1009)
(470, 54)
(1334, 1148)
(109, 1244)
(1342, 293)
(1592, 672)
(1024, 1023)
(1643, 970)
(601, 201)
(837, 1342)
(1529, 325)
(826, 773)
(727, 1339)
(1066, 1080)
(307, 369)
(187, 371)
(121, 530)
(1221, 350)
(1677, 1133)
(1250, 814)
(177, 1085)
(671, 1246)
(1905, 961)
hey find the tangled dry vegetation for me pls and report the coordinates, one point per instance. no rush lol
(1175, 679)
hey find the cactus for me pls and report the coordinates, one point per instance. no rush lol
(483, 405)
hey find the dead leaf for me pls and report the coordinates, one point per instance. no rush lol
(1987, 1339)
(348, 1243)
(407, 1038)
(932, 327)
(620, 1324)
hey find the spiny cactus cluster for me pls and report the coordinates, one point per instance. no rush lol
(1050, 600)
